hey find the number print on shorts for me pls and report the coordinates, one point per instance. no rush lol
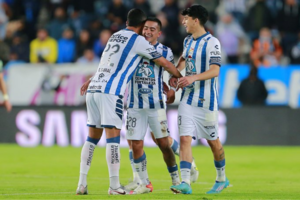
(131, 122)
(179, 120)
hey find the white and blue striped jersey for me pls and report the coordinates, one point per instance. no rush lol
(122, 53)
(145, 90)
(199, 54)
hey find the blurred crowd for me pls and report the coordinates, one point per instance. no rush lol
(263, 32)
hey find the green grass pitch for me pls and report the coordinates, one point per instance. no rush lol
(52, 173)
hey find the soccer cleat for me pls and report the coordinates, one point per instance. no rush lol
(81, 190)
(218, 187)
(183, 188)
(119, 191)
(142, 189)
(194, 172)
(131, 186)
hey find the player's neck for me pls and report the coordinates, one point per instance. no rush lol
(154, 42)
(134, 29)
(199, 32)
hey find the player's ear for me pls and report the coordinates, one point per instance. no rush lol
(126, 23)
(159, 33)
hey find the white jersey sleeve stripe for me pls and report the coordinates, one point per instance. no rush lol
(121, 62)
(203, 68)
(124, 75)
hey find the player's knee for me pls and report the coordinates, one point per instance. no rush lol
(137, 145)
(185, 140)
(163, 144)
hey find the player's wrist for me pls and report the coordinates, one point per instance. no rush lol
(5, 97)
(173, 88)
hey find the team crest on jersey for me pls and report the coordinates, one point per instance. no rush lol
(190, 69)
(190, 66)
(145, 74)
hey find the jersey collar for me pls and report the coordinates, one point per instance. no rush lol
(202, 36)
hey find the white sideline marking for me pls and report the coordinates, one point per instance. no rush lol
(38, 193)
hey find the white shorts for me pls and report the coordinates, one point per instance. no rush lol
(197, 121)
(138, 120)
(104, 110)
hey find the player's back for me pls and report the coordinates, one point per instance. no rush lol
(119, 60)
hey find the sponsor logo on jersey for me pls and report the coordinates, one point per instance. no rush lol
(104, 70)
(145, 74)
(95, 87)
(145, 91)
(215, 53)
(118, 38)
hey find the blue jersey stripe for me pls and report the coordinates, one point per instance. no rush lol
(160, 87)
(194, 56)
(124, 55)
(131, 95)
(182, 94)
(120, 84)
(203, 66)
(188, 49)
(150, 97)
(212, 95)
(140, 97)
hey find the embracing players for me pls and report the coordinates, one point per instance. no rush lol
(105, 92)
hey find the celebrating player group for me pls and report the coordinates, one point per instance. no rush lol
(133, 59)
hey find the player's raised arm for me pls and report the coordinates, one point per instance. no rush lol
(147, 50)
(168, 66)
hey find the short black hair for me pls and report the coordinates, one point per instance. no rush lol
(197, 11)
(136, 17)
(155, 19)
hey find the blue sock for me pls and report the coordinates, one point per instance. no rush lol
(175, 147)
(92, 140)
(173, 169)
(113, 140)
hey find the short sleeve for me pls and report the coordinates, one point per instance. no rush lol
(145, 49)
(214, 52)
(170, 56)
(185, 46)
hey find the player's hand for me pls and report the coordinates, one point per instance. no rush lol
(170, 97)
(185, 81)
(7, 106)
(173, 82)
(84, 87)
(165, 88)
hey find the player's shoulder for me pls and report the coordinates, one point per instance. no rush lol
(212, 40)
(164, 47)
(186, 39)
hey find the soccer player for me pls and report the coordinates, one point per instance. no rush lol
(105, 91)
(198, 108)
(6, 102)
(143, 108)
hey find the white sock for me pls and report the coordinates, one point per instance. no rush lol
(175, 177)
(220, 174)
(113, 157)
(135, 174)
(86, 160)
(220, 168)
(186, 175)
(141, 169)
